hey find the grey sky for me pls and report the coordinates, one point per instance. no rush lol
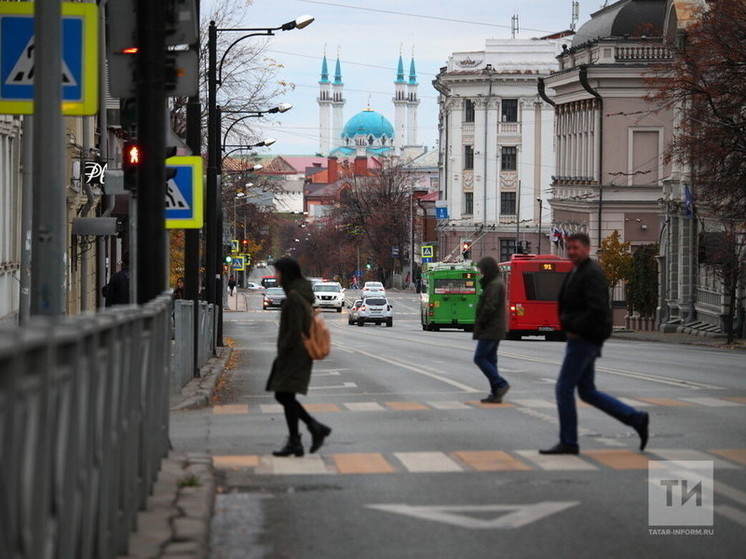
(369, 44)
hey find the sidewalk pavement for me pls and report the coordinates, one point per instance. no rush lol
(677, 338)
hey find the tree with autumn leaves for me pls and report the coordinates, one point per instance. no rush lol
(705, 83)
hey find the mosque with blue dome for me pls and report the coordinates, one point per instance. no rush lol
(368, 133)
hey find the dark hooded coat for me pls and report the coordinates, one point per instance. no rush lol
(490, 318)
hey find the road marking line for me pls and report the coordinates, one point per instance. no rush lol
(620, 459)
(478, 404)
(405, 406)
(230, 409)
(732, 514)
(271, 408)
(491, 461)
(551, 462)
(308, 465)
(321, 408)
(421, 462)
(362, 463)
(418, 370)
(364, 406)
(335, 387)
(635, 403)
(668, 402)
(535, 403)
(248, 461)
(684, 454)
(735, 455)
(739, 399)
(712, 402)
(731, 492)
(449, 405)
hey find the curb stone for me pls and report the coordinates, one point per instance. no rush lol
(199, 391)
(179, 527)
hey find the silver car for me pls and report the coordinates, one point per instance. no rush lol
(274, 297)
(352, 315)
(375, 309)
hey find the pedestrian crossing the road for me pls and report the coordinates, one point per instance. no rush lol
(414, 406)
(471, 461)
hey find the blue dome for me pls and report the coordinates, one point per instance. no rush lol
(368, 123)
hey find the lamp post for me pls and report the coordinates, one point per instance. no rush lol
(541, 216)
(281, 108)
(213, 236)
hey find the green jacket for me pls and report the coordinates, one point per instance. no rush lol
(490, 320)
(291, 370)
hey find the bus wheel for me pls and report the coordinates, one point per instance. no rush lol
(512, 336)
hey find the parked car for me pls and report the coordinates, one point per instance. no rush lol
(329, 296)
(352, 315)
(375, 309)
(374, 288)
(273, 298)
(251, 286)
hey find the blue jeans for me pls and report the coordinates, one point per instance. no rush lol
(485, 358)
(578, 371)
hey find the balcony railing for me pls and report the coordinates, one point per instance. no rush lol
(509, 128)
(642, 52)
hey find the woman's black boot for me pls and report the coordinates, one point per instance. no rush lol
(319, 432)
(292, 448)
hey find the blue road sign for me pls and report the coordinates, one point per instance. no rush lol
(441, 213)
(79, 58)
(238, 263)
(426, 260)
(184, 193)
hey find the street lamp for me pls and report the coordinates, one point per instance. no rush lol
(243, 147)
(541, 215)
(281, 108)
(213, 233)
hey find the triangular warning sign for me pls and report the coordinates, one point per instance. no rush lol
(23, 70)
(174, 198)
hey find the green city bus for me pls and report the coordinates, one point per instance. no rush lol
(449, 296)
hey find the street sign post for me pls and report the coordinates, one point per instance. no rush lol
(79, 58)
(238, 264)
(441, 212)
(184, 193)
(234, 246)
(427, 253)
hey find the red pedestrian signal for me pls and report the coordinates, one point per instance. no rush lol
(131, 159)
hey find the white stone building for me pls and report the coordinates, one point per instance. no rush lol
(496, 147)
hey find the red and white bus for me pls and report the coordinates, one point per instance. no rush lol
(532, 284)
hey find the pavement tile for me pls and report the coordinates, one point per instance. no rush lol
(535, 403)
(559, 462)
(321, 408)
(449, 405)
(635, 403)
(669, 402)
(362, 463)
(308, 465)
(491, 460)
(737, 455)
(270, 408)
(405, 406)
(690, 454)
(243, 461)
(229, 409)
(712, 402)
(478, 404)
(364, 406)
(419, 462)
(619, 459)
(739, 399)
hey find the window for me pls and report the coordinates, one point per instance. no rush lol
(543, 286)
(509, 110)
(508, 158)
(507, 249)
(468, 158)
(468, 110)
(468, 203)
(507, 203)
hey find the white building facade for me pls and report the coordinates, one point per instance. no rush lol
(496, 148)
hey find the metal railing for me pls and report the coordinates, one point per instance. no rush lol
(83, 428)
(184, 368)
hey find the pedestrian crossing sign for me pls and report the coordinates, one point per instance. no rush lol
(184, 193)
(238, 264)
(427, 251)
(79, 58)
(234, 246)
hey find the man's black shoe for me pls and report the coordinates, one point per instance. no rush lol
(642, 430)
(561, 448)
(492, 399)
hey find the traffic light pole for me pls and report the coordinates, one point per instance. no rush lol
(219, 246)
(49, 219)
(151, 183)
(212, 271)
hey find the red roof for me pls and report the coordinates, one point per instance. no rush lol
(431, 197)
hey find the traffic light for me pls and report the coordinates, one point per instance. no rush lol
(466, 250)
(245, 246)
(229, 259)
(131, 160)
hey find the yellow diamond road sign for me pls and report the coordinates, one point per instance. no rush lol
(79, 54)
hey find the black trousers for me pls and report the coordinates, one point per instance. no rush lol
(293, 412)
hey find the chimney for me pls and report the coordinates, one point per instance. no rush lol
(361, 166)
(333, 170)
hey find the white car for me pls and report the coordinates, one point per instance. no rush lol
(329, 295)
(352, 314)
(373, 288)
(251, 286)
(376, 309)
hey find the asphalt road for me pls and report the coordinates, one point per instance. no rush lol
(416, 468)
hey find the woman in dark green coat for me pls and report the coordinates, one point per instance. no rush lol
(291, 370)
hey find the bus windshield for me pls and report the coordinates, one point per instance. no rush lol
(455, 286)
(543, 286)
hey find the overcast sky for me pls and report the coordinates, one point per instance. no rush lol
(369, 41)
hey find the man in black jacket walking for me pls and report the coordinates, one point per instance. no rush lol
(585, 315)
